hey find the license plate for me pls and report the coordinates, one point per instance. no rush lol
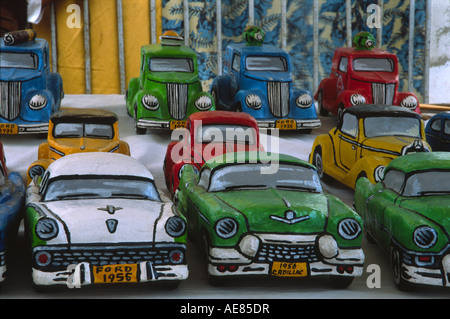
(115, 273)
(6, 128)
(286, 124)
(177, 124)
(285, 269)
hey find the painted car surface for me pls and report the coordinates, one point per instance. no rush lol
(362, 77)
(281, 224)
(73, 130)
(366, 139)
(407, 214)
(102, 222)
(258, 80)
(168, 88)
(205, 137)
(30, 93)
(437, 131)
(12, 199)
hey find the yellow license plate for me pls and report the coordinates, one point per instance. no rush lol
(6, 128)
(285, 269)
(286, 124)
(115, 273)
(177, 124)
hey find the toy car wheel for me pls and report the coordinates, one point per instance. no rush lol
(138, 130)
(340, 111)
(318, 163)
(396, 264)
(214, 95)
(341, 282)
(322, 111)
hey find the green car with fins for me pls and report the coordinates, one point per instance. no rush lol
(277, 223)
(407, 214)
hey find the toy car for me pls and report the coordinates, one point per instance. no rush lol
(30, 93)
(168, 89)
(12, 197)
(362, 75)
(209, 134)
(407, 214)
(366, 139)
(257, 80)
(75, 130)
(98, 218)
(437, 131)
(279, 224)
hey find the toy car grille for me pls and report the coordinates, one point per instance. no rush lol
(287, 253)
(61, 258)
(383, 93)
(177, 96)
(10, 95)
(278, 97)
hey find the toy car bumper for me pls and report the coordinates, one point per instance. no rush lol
(83, 274)
(160, 124)
(427, 276)
(13, 129)
(289, 124)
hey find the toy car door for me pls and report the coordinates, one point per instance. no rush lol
(348, 140)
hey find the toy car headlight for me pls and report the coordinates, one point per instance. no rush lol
(357, 99)
(203, 103)
(253, 101)
(226, 227)
(328, 246)
(410, 102)
(425, 237)
(349, 228)
(37, 102)
(150, 102)
(46, 228)
(304, 101)
(378, 173)
(175, 226)
(249, 245)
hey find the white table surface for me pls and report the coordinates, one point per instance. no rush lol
(150, 149)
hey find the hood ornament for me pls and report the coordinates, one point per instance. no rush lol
(111, 224)
(110, 209)
(289, 218)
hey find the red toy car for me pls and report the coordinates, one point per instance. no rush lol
(206, 135)
(362, 76)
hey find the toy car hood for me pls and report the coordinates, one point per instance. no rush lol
(390, 143)
(379, 77)
(285, 211)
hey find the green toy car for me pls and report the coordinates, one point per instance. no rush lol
(281, 224)
(408, 215)
(168, 89)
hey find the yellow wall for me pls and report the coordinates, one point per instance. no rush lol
(105, 74)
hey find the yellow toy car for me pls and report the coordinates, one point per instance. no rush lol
(366, 139)
(74, 130)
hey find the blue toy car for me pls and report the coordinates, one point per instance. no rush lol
(29, 92)
(12, 195)
(257, 80)
(437, 132)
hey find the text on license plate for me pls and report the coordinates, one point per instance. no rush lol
(286, 124)
(285, 269)
(115, 273)
(177, 124)
(6, 128)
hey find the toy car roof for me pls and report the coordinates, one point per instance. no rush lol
(265, 49)
(223, 117)
(252, 158)
(165, 51)
(98, 163)
(422, 161)
(74, 115)
(36, 44)
(374, 51)
(366, 110)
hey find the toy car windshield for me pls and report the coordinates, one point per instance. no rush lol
(386, 126)
(171, 65)
(74, 130)
(373, 65)
(27, 60)
(221, 133)
(266, 63)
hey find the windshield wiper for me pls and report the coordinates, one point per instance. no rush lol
(77, 195)
(309, 189)
(434, 192)
(244, 186)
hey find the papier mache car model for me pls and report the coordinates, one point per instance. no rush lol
(258, 80)
(279, 224)
(437, 131)
(12, 198)
(407, 214)
(73, 130)
(98, 218)
(168, 88)
(366, 139)
(362, 75)
(30, 93)
(209, 134)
